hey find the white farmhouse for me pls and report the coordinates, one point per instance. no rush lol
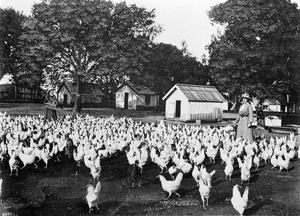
(130, 96)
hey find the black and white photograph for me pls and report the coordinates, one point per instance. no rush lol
(149, 107)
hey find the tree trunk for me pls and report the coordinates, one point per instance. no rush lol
(77, 105)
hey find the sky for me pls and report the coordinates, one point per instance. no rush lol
(181, 20)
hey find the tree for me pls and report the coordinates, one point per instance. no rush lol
(259, 48)
(15, 58)
(90, 39)
(10, 31)
(168, 65)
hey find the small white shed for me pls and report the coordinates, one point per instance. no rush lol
(130, 96)
(187, 102)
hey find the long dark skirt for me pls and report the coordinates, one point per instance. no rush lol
(50, 114)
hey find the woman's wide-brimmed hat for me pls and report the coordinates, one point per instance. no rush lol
(246, 95)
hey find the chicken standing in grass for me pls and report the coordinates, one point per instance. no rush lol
(238, 201)
(92, 196)
(171, 186)
(204, 190)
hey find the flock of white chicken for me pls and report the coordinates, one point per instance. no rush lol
(178, 149)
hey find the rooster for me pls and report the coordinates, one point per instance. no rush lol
(238, 201)
(171, 186)
(92, 196)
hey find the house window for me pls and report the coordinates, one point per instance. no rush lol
(147, 99)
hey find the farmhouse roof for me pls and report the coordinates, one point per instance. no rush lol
(86, 88)
(197, 93)
(139, 89)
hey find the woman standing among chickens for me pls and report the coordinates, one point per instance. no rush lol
(245, 119)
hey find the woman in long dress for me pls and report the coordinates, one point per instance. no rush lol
(245, 119)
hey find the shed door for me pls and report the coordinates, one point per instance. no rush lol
(177, 110)
(126, 101)
(65, 99)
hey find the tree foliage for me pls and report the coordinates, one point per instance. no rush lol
(90, 39)
(259, 49)
(10, 31)
(168, 65)
(16, 58)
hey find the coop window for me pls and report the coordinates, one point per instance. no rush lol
(147, 99)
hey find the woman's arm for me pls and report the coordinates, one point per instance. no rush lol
(237, 119)
(251, 118)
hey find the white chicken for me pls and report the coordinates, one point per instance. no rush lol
(274, 161)
(78, 154)
(199, 157)
(256, 160)
(173, 170)
(92, 196)
(238, 201)
(27, 159)
(211, 152)
(95, 172)
(204, 190)
(13, 163)
(45, 155)
(171, 186)
(205, 175)
(223, 155)
(229, 168)
(196, 174)
(245, 167)
(283, 163)
(143, 157)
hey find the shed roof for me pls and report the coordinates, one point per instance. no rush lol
(198, 93)
(86, 88)
(139, 89)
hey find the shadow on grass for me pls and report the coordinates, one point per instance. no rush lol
(254, 178)
(254, 209)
